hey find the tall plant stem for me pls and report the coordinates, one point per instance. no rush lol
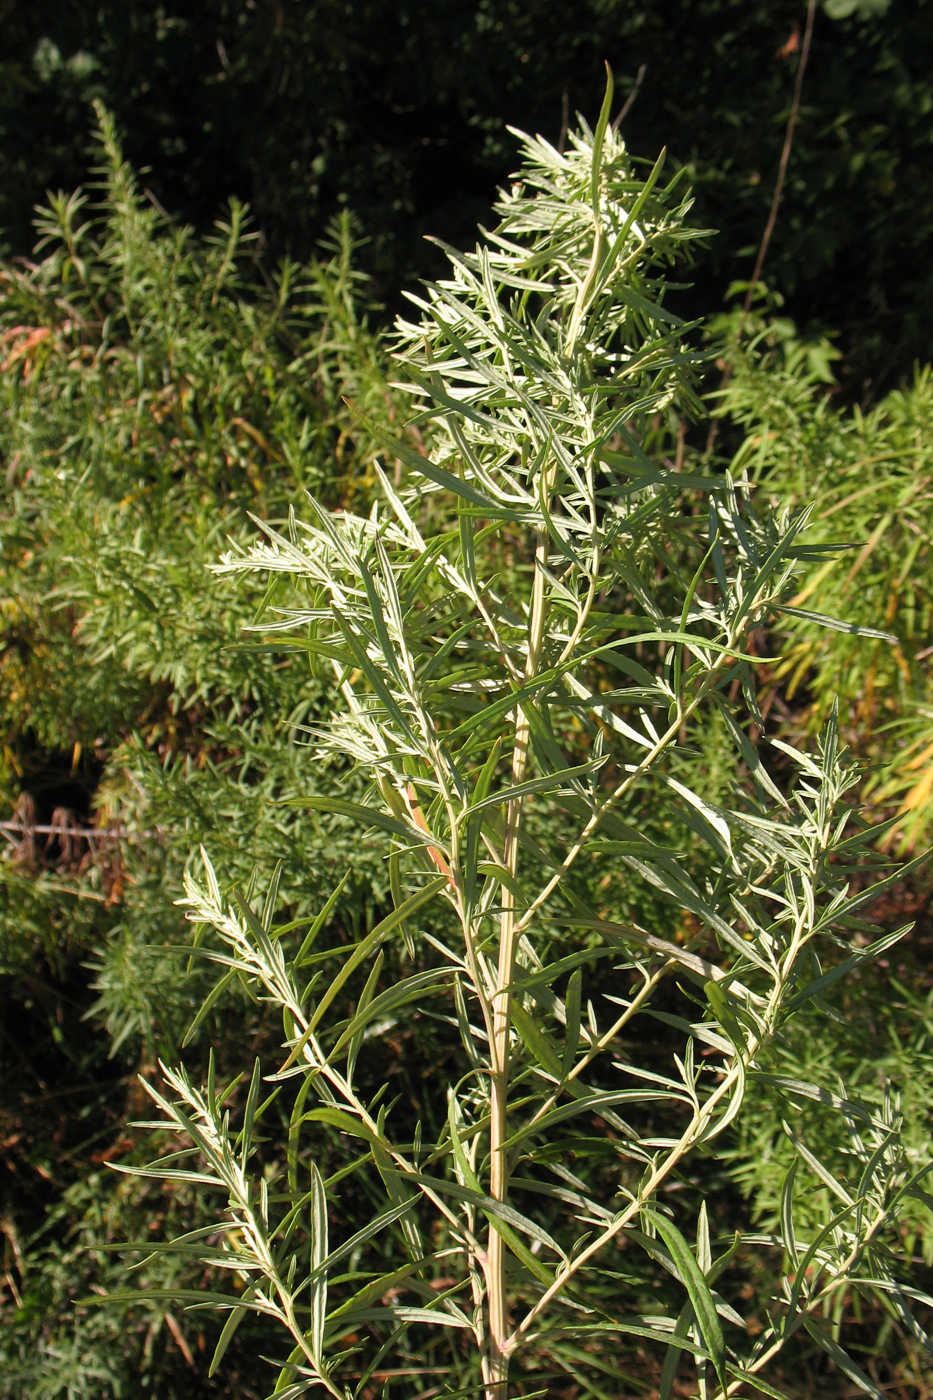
(509, 929)
(498, 1361)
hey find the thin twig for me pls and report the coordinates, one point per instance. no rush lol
(785, 157)
(629, 102)
(85, 833)
(776, 196)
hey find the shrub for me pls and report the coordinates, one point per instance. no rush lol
(540, 1195)
(153, 387)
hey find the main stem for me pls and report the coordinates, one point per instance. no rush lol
(501, 1344)
(497, 1367)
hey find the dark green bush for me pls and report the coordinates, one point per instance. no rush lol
(154, 388)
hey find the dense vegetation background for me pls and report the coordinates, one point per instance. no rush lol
(168, 364)
(398, 111)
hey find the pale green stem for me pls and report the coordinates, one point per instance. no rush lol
(694, 1130)
(513, 670)
(294, 1327)
(615, 796)
(502, 1344)
(670, 734)
(583, 615)
(498, 1363)
(605, 1040)
(839, 1281)
(698, 1121)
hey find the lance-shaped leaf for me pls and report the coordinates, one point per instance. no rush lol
(317, 1286)
(698, 1290)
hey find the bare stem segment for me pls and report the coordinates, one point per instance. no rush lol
(499, 1325)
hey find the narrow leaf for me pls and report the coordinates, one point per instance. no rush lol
(318, 1286)
(698, 1291)
(573, 1003)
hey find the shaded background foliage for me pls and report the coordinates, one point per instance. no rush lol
(189, 377)
(400, 109)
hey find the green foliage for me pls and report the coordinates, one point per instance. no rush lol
(154, 387)
(872, 474)
(502, 1230)
(56, 1344)
(829, 1047)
